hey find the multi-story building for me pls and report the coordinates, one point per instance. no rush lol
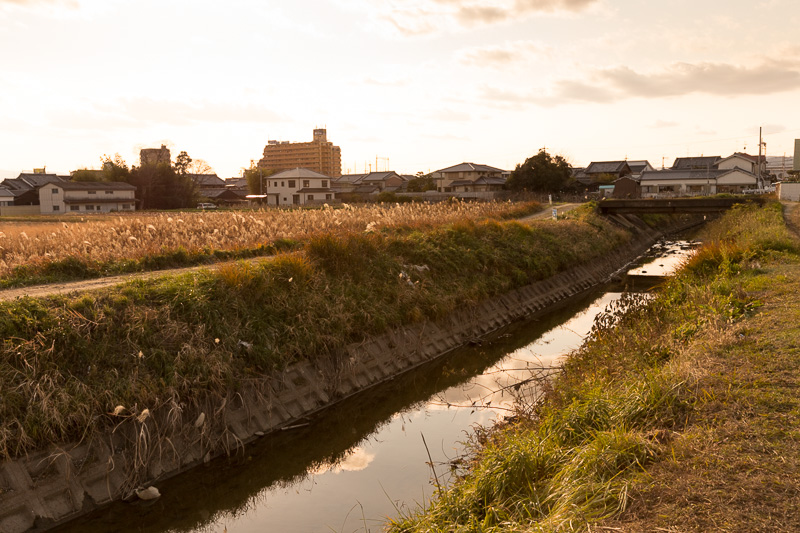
(319, 155)
(154, 156)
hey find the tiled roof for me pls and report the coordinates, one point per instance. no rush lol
(208, 180)
(298, 173)
(684, 163)
(605, 167)
(95, 186)
(470, 167)
(683, 174)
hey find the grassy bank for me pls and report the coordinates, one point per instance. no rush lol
(45, 251)
(674, 414)
(71, 366)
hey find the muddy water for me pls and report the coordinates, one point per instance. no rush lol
(366, 459)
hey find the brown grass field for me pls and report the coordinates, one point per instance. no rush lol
(134, 236)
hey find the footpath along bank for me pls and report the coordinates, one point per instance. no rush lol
(679, 414)
(113, 390)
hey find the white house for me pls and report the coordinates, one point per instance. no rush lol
(86, 197)
(298, 186)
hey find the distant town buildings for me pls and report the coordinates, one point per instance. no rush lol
(319, 155)
(154, 156)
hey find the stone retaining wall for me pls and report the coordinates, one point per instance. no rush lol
(51, 487)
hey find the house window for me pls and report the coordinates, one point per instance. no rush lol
(324, 184)
(285, 200)
(56, 208)
(328, 196)
(306, 183)
(74, 208)
(310, 196)
(109, 192)
(276, 184)
(282, 184)
(92, 192)
(126, 206)
(97, 208)
(54, 191)
(90, 208)
(291, 184)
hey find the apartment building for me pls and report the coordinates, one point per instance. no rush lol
(319, 155)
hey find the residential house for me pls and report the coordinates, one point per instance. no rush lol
(25, 186)
(6, 196)
(639, 166)
(601, 172)
(465, 177)
(695, 182)
(627, 187)
(298, 186)
(86, 197)
(695, 163)
(224, 196)
(347, 182)
(237, 184)
(207, 181)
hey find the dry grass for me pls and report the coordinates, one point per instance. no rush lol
(133, 237)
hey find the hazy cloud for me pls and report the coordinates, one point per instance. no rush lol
(415, 17)
(502, 54)
(73, 4)
(620, 83)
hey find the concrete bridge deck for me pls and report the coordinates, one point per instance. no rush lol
(673, 205)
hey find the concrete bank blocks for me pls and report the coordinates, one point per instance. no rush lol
(47, 488)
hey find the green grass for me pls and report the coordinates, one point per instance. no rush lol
(67, 362)
(622, 398)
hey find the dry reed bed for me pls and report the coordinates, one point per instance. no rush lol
(135, 237)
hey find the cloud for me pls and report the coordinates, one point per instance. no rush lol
(419, 17)
(72, 4)
(502, 54)
(678, 79)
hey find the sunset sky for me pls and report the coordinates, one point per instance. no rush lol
(424, 83)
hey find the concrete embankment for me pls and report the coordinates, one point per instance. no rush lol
(49, 487)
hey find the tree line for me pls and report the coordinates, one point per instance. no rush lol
(158, 186)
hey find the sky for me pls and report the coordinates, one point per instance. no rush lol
(406, 85)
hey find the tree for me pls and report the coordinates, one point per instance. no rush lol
(421, 183)
(255, 178)
(85, 174)
(115, 169)
(541, 173)
(182, 163)
(161, 187)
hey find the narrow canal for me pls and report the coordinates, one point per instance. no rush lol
(365, 459)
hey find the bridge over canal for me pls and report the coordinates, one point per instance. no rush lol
(673, 205)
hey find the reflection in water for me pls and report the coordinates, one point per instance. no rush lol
(363, 459)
